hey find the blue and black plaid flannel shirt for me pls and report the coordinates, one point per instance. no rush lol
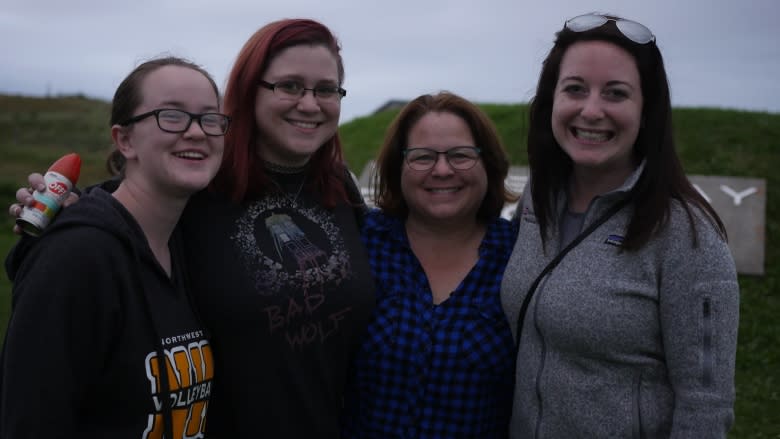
(432, 371)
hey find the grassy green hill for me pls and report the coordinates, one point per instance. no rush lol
(35, 132)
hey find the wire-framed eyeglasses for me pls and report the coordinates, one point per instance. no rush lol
(632, 30)
(172, 120)
(461, 158)
(290, 90)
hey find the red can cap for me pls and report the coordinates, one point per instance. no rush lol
(69, 166)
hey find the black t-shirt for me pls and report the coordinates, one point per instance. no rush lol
(284, 287)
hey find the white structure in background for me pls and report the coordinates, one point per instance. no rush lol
(740, 203)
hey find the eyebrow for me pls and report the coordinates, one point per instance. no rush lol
(609, 83)
(302, 80)
(179, 105)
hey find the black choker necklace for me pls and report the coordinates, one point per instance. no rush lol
(282, 169)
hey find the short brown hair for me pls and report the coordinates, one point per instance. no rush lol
(387, 177)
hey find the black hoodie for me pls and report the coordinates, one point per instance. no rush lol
(92, 310)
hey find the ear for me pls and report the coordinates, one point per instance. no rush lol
(122, 140)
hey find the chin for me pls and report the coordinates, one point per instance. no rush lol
(304, 152)
(192, 185)
(444, 214)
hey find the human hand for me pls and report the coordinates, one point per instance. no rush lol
(24, 197)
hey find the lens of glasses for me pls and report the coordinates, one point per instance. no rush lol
(289, 89)
(295, 90)
(214, 124)
(173, 120)
(585, 22)
(460, 158)
(632, 30)
(326, 92)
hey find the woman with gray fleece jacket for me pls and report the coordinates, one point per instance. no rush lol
(633, 333)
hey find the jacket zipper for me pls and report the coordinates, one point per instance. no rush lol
(541, 359)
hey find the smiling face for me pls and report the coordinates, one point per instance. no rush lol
(290, 131)
(597, 108)
(442, 193)
(178, 164)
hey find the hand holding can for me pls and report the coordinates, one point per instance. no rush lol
(60, 179)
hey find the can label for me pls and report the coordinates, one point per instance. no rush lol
(35, 218)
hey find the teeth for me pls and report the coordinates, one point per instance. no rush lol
(593, 136)
(308, 125)
(190, 155)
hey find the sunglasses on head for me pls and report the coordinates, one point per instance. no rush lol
(632, 30)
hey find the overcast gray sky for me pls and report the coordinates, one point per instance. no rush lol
(719, 53)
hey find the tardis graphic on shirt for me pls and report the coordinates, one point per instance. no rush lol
(290, 240)
(297, 259)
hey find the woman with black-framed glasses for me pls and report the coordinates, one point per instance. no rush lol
(103, 339)
(622, 291)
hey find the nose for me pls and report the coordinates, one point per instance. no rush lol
(194, 130)
(308, 102)
(592, 108)
(442, 166)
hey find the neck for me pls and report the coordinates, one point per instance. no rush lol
(587, 184)
(446, 253)
(443, 234)
(156, 214)
(284, 169)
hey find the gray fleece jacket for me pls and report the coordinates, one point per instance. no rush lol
(617, 344)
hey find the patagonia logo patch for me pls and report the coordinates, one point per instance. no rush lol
(615, 240)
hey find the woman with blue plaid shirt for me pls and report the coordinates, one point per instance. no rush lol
(438, 358)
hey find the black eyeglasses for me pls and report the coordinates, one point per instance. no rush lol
(172, 120)
(293, 90)
(632, 30)
(461, 158)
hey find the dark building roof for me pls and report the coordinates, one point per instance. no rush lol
(392, 104)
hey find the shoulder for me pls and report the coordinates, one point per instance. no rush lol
(500, 236)
(686, 217)
(74, 265)
(93, 231)
(378, 221)
(75, 246)
(503, 228)
(380, 229)
(204, 199)
(204, 207)
(690, 238)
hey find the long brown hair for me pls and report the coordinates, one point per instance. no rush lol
(663, 178)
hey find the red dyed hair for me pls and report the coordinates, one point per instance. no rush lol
(242, 175)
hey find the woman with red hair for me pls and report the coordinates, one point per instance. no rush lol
(276, 261)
